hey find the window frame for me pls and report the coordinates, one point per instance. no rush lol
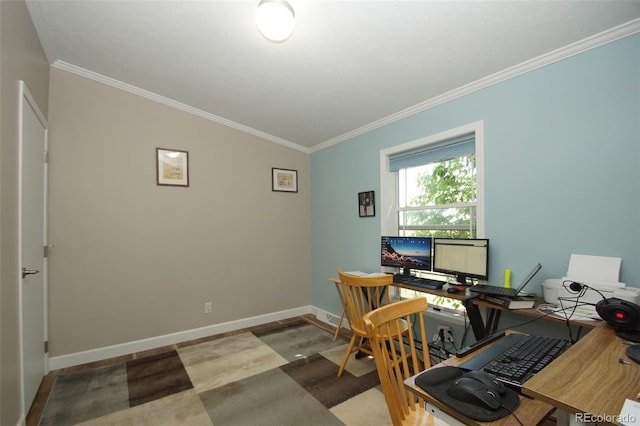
(405, 209)
(389, 180)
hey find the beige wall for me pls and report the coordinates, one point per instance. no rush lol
(22, 58)
(133, 260)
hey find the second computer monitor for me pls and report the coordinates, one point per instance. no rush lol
(463, 258)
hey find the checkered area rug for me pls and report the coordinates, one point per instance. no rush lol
(279, 375)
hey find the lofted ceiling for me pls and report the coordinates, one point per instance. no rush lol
(349, 67)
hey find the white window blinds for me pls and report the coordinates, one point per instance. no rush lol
(439, 151)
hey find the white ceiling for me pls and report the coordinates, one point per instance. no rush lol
(350, 66)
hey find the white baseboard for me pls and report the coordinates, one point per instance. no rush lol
(331, 319)
(440, 315)
(78, 358)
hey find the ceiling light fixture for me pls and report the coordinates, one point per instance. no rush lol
(275, 19)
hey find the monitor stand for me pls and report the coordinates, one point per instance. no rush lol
(461, 280)
(406, 272)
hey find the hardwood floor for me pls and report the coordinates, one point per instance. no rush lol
(337, 406)
(42, 396)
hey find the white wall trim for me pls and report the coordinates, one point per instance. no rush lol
(437, 314)
(78, 358)
(174, 104)
(388, 184)
(573, 49)
(331, 319)
(578, 47)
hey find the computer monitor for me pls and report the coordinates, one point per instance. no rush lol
(407, 253)
(463, 258)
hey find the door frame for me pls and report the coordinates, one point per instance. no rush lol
(25, 96)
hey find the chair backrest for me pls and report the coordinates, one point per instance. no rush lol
(398, 354)
(363, 294)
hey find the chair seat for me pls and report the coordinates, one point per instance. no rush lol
(398, 355)
(359, 331)
(362, 294)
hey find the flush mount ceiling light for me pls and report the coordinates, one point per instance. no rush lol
(275, 19)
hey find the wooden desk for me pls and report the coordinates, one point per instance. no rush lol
(466, 297)
(588, 378)
(472, 305)
(530, 411)
(493, 312)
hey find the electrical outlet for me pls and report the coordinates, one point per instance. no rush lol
(207, 308)
(446, 331)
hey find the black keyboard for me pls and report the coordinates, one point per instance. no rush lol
(515, 358)
(414, 281)
(493, 290)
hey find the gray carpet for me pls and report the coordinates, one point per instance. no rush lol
(279, 375)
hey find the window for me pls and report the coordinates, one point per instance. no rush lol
(434, 186)
(438, 199)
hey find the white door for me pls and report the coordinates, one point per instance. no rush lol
(32, 243)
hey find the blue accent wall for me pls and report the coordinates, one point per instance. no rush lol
(562, 171)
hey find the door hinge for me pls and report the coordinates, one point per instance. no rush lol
(46, 250)
(46, 156)
(46, 347)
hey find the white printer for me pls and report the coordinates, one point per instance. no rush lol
(599, 273)
(553, 289)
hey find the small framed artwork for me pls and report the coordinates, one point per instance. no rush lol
(172, 167)
(367, 204)
(284, 180)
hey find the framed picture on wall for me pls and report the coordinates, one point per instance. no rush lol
(284, 180)
(367, 204)
(172, 167)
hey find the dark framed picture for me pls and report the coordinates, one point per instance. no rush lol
(172, 167)
(366, 204)
(284, 180)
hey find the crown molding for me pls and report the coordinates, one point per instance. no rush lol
(581, 46)
(613, 34)
(174, 104)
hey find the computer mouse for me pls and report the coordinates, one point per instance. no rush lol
(489, 380)
(453, 290)
(473, 391)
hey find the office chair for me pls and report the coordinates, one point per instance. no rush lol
(361, 295)
(400, 355)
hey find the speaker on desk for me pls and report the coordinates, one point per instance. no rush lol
(622, 315)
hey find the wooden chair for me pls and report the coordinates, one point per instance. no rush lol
(399, 355)
(361, 295)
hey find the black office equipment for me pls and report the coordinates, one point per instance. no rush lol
(504, 291)
(439, 381)
(406, 252)
(479, 344)
(414, 281)
(633, 352)
(473, 391)
(623, 316)
(517, 357)
(463, 258)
